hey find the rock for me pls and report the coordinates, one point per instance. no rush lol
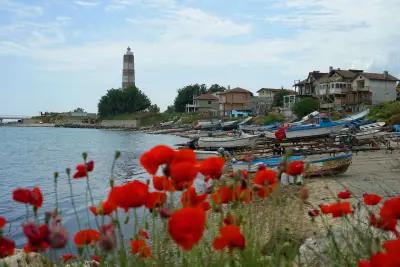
(22, 259)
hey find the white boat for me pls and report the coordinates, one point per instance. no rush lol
(309, 131)
(243, 140)
(203, 154)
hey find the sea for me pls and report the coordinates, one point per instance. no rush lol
(29, 156)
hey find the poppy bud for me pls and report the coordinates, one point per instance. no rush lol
(165, 213)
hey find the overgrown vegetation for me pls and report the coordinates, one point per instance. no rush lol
(388, 112)
(305, 106)
(271, 117)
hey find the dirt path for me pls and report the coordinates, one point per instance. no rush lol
(373, 172)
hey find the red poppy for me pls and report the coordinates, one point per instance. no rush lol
(155, 200)
(186, 226)
(313, 213)
(295, 167)
(140, 246)
(364, 263)
(230, 237)
(212, 167)
(86, 237)
(387, 224)
(388, 258)
(143, 233)
(183, 174)
(344, 194)
(338, 209)
(163, 183)
(96, 258)
(7, 247)
(36, 197)
(130, 195)
(190, 198)
(38, 237)
(3, 222)
(242, 194)
(155, 157)
(245, 174)
(231, 219)
(68, 257)
(223, 195)
(265, 177)
(104, 208)
(371, 199)
(83, 169)
(22, 195)
(390, 209)
(184, 155)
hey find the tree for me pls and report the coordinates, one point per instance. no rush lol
(154, 109)
(278, 98)
(186, 94)
(216, 88)
(118, 101)
(305, 106)
(170, 109)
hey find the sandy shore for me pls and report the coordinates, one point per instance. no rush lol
(373, 172)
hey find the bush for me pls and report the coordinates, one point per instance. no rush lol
(385, 112)
(305, 106)
(270, 118)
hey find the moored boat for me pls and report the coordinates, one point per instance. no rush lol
(326, 166)
(236, 141)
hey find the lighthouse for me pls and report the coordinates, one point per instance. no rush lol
(128, 69)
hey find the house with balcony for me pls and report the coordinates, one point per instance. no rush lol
(308, 87)
(350, 90)
(236, 99)
(204, 103)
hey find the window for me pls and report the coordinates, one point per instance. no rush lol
(209, 102)
(337, 85)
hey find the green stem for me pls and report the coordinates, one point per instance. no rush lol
(72, 199)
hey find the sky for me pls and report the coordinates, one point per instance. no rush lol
(57, 55)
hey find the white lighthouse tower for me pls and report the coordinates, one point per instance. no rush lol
(128, 69)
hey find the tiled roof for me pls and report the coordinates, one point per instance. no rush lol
(378, 76)
(236, 90)
(273, 89)
(206, 97)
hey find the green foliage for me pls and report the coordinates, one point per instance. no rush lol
(278, 98)
(186, 94)
(118, 101)
(216, 88)
(305, 106)
(385, 112)
(154, 109)
(270, 118)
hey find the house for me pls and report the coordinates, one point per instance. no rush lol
(266, 98)
(238, 99)
(308, 86)
(348, 90)
(204, 103)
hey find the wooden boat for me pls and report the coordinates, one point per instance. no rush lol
(311, 130)
(203, 125)
(242, 140)
(327, 166)
(229, 125)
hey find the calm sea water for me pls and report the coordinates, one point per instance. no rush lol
(30, 156)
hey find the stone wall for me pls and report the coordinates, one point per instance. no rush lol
(120, 123)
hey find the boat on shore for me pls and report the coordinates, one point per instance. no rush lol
(235, 141)
(326, 166)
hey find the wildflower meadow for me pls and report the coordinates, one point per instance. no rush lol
(227, 219)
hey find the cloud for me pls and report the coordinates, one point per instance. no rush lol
(122, 4)
(21, 10)
(86, 3)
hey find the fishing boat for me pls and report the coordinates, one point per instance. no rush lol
(236, 141)
(323, 128)
(207, 125)
(326, 166)
(229, 125)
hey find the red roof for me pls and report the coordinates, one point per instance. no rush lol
(236, 90)
(206, 97)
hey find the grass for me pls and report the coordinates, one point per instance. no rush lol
(388, 112)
